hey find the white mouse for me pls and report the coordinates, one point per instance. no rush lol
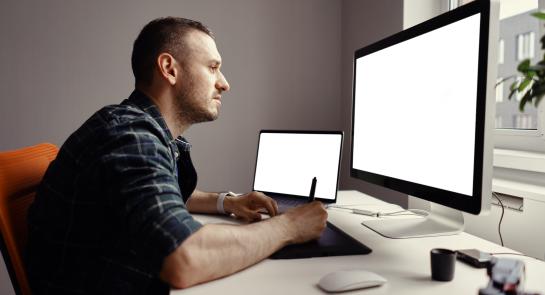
(346, 280)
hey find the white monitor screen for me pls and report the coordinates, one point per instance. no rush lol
(287, 162)
(415, 108)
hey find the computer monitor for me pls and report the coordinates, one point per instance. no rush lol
(422, 117)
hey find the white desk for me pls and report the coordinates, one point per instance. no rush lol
(404, 263)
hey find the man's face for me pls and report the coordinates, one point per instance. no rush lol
(199, 88)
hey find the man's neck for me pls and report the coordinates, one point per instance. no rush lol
(166, 107)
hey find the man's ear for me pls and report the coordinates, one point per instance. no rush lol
(167, 68)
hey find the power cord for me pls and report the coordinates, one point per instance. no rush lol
(378, 213)
(501, 218)
(405, 212)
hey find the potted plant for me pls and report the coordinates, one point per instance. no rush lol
(532, 84)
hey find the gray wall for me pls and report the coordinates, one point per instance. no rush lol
(63, 60)
(363, 23)
(289, 64)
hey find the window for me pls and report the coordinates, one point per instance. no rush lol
(501, 51)
(518, 96)
(499, 90)
(518, 31)
(525, 46)
(515, 19)
(499, 122)
(523, 121)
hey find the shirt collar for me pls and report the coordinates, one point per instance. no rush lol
(183, 144)
(142, 101)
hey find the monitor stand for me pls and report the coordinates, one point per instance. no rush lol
(441, 221)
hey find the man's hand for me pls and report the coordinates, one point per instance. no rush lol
(306, 222)
(247, 207)
(218, 250)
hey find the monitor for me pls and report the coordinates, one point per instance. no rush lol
(422, 117)
(288, 160)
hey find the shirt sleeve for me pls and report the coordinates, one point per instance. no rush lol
(144, 192)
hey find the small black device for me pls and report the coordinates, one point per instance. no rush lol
(474, 257)
(286, 160)
(332, 242)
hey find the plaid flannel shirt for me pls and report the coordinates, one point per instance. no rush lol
(111, 205)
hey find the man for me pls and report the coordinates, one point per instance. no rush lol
(112, 213)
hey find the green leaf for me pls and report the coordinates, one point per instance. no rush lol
(523, 66)
(514, 85)
(538, 91)
(539, 14)
(525, 99)
(513, 91)
(525, 83)
(538, 88)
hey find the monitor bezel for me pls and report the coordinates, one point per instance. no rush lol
(471, 204)
(334, 132)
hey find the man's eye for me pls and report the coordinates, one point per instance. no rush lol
(214, 68)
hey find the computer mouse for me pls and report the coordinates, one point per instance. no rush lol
(346, 280)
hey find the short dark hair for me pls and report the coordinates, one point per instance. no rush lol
(160, 35)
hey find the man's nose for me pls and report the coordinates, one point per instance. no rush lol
(222, 84)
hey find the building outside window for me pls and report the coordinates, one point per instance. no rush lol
(518, 30)
(517, 42)
(525, 45)
(523, 121)
(498, 121)
(499, 89)
(501, 51)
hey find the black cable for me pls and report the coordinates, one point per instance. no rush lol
(501, 218)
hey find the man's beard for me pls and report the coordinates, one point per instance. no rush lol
(188, 109)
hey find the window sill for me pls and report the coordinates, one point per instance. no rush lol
(515, 188)
(519, 173)
(519, 160)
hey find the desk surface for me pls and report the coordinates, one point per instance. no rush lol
(405, 263)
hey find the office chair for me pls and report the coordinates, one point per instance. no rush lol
(20, 173)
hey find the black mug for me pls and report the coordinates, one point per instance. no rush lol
(442, 264)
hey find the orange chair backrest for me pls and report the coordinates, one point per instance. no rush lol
(20, 174)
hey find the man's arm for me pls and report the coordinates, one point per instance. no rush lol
(245, 207)
(202, 202)
(217, 250)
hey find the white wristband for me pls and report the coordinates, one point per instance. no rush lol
(221, 199)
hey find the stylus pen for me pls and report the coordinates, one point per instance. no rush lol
(312, 190)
